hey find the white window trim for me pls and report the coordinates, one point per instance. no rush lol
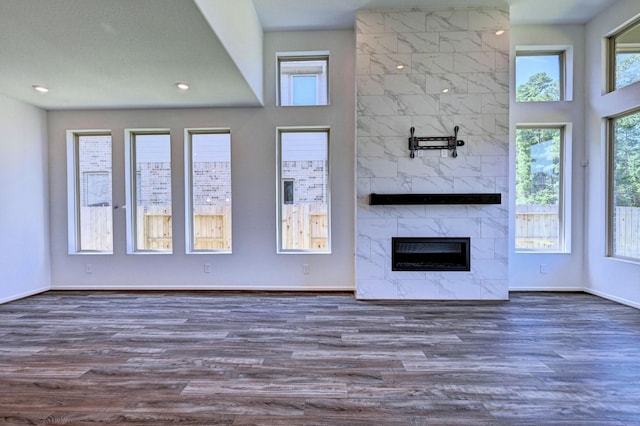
(566, 66)
(188, 190)
(303, 56)
(609, 207)
(73, 191)
(130, 182)
(566, 193)
(279, 188)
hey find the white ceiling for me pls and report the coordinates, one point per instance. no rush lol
(130, 54)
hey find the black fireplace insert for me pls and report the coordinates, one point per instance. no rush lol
(430, 254)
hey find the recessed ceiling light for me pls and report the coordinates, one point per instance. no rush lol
(40, 89)
(445, 90)
(182, 86)
(399, 67)
(499, 32)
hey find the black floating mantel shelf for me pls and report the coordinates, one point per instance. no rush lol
(412, 199)
(426, 142)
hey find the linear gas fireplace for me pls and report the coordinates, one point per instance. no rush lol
(430, 254)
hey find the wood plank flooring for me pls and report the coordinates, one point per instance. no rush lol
(227, 358)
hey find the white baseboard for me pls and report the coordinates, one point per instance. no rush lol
(559, 289)
(23, 295)
(620, 300)
(234, 287)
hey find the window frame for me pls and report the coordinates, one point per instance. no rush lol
(301, 57)
(611, 55)
(280, 188)
(131, 189)
(610, 192)
(74, 228)
(564, 188)
(563, 72)
(190, 245)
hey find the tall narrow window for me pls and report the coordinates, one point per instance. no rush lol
(149, 217)
(624, 186)
(303, 158)
(208, 168)
(624, 57)
(303, 79)
(539, 76)
(539, 189)
(90, 181)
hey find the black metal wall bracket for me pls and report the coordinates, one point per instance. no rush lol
(452, 142)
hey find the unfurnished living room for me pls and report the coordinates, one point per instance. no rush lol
(346, 212)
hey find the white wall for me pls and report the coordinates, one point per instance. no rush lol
(24, 226)
(564, 271)
(611, 278)
(254, 263)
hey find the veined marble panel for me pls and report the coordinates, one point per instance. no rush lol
(399, 185)
(441, 49)
(377, 105)
(440, 227)
(433, 185)
(432, 63)
(452, 83)
(370, 23)
(419, 166)
(486, 19)
(418, 104)
(433, 125)
(488, 82)
(461, 104)
(487, 144)
(463, 165)
(494, 42)
(371, 147)
(468, 184)
(405, 22)
(474, 124)
(418, 42)
(370, 85)
(495, 103)
(376, 167)
(447, 20)
(474, 62)
(378, 229)
(495, 165)
(407, 84)
(363, 65)
(495, 227)
(460, 41)
(387, 63)
(377, 43)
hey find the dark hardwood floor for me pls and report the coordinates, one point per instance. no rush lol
(230, 358)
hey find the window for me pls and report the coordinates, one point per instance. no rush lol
(303, 215)
(624, 57)
(208, 189)
(624, 186)
(540, 209)
(539, 76)
(90, 182)
(303, 79)
(148, 175)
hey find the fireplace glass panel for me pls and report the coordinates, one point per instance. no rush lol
(430, 254)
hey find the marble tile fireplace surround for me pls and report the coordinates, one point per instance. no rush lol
(432, 70)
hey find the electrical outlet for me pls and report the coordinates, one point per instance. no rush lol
(543, 268)
(88, 268)
(444, 153)
(207, 268)
(305, 268)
